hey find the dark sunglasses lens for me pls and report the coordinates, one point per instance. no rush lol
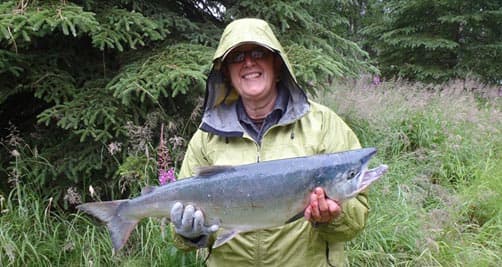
(257, 54)
(237, 57)
(240, 56)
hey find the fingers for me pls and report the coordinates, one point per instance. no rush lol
(198, 224)
(321, 199)
(177, 214)
(198, 221)
(211, 229)
(189, 221)
(334, 209)
(308, 213)
(321, 209)
(314, 204)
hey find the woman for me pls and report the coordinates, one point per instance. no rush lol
(256, 111)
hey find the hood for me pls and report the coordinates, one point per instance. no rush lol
(219, 105)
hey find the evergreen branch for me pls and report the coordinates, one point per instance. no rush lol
(177, 70)
(42, 18)
(119, 27)
(88, 115)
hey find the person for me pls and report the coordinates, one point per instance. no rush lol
(256, 111)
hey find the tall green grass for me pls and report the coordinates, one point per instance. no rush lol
(439, 204)
(32, 234)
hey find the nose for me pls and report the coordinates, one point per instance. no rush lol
(248, 60)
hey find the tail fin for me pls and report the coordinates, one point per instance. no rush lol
(120, 227)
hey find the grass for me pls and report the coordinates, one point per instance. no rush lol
(33, 235)
(439, 205)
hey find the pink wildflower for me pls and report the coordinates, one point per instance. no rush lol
(166, 173)
(167, 176)
(376, 80)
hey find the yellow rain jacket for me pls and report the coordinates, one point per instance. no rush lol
(306, 128)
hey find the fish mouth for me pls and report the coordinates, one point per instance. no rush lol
(371, 175)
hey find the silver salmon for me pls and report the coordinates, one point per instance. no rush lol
(245, 197)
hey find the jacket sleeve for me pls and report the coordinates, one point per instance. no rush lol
(337, 136)
(194, 157)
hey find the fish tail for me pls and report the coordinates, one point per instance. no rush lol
(120, 227)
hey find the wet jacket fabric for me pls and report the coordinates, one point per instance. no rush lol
(305, 128)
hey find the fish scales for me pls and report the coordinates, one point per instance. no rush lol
(245, 197)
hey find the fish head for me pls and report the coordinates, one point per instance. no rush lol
(349, 174)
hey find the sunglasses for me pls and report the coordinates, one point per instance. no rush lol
(240, 56)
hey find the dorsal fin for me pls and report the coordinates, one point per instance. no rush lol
(212, 170)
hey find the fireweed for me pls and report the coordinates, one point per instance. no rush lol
(164, 161)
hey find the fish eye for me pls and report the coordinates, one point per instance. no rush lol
(351, 174)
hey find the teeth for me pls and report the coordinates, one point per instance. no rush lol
(251, 75)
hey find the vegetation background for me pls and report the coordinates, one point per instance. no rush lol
(87, 87)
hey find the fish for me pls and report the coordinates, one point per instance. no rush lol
(247, 197)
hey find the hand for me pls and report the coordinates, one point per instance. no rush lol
(189, 222)
(320, 208)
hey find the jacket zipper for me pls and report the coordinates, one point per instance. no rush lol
(258, 151)
(258, 145)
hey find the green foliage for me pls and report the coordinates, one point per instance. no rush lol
(420, 131)
(53, 85)
(111, 27)
(134, 169)
(56, 239)
(313, 69)
(439, 204)
(25, 21)
(10, 63)
(92, 112)
(484, 197)
(181, 68)
(52, 166)
(434, 41)
(121, 27)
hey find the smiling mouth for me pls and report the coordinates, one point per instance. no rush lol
(253, 75)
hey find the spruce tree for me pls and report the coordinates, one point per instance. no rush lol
(434, 41)
(88, 84)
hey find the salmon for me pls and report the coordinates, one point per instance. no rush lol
(245, 197)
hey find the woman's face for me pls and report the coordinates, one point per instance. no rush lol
(253, 71)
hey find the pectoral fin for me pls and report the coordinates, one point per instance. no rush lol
(296, 217)
(224, 237)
